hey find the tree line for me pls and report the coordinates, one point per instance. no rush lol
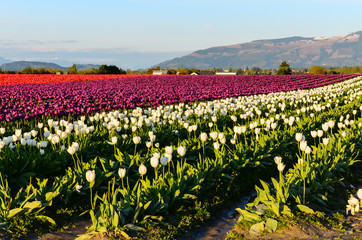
(103, 69)
(284, 69)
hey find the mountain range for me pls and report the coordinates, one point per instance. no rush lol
(20, 65)
(298, 52)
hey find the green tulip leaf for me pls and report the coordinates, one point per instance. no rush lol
(14, 212)
(257, 229)
(271, 224)
(305, 209)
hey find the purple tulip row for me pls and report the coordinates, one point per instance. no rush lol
(78, 98)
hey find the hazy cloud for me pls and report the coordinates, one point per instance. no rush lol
(207, 26)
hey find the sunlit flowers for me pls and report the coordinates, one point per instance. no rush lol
(181, 150)
(122, 172)
(113, 141)
(353, 205)
(136, 140)
(142, 169)
(90, 175)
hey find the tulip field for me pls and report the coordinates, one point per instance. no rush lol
(146, 156)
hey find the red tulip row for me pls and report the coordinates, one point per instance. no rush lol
(13, 79)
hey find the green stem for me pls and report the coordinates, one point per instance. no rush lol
(91, 198)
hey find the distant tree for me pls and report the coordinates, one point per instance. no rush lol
(122, 71)
(171, 71)
(284, 69)
(256, 70)
(89, 71)
(73, 69)
(332, 72)
(239, 71)
(27, 70)
(317, 70)
(191, 70)
(183, 71)
(113, 70)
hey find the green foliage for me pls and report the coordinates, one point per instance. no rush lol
(111, 69)
(284, 69)
(73, 69)
(317, 70)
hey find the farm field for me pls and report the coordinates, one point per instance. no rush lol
(152, 157)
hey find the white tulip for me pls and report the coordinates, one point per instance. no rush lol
(122, 172)
(164, 160)
(213, 135)
(181, 150)
(325, 141)
(136, 140)
(18, 133)
(359, 194)
(277, 160)
(281, 167)
(320, 133)
(90, 175)
(221, 135)
(325, 127)
(23, 141)
(216, 145)
(308, 150)
(71, 150)
(50, 122)
(78, 187)
(169, 149)
(113, 141)
(75, 145)
(298, 137)
(142, 169)
(203, 137)
(303, 145)
(331, 124)
(153, 138)
(46, 134)
(314, 134)
(156, 155)
(154, 162)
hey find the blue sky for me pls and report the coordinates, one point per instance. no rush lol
(140, 33)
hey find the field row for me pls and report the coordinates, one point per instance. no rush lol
(87, 97)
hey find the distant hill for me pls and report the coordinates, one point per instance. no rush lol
(3, 60)
(299, 52)
(20, 65)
